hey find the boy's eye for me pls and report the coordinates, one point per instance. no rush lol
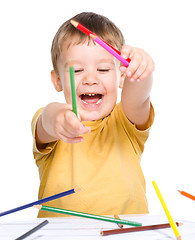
(103, 69)
(78, 70)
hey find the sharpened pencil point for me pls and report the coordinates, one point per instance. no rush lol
(92, 36)
(77, 189)
(74, 23)
(70, 63)
(187, 194)
(37, 206)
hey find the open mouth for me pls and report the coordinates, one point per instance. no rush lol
(91, 98)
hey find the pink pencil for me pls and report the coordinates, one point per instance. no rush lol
(110, 50)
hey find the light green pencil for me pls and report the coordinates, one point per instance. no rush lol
(73, 91)
(87, 215)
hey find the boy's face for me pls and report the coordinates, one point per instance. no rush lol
(96, 79)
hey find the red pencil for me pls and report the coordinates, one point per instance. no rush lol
(88, 32)
(187, 195)
(80, 27)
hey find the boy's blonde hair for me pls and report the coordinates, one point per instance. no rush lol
(96, 23)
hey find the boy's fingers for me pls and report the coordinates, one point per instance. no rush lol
(122, 68)
(126, 51)
(141, 65)
(77, 128)
(84, 129)
(72, 135)
(149, 69)
(133, 66)
(140, 70)
(73, 126)
(69, 139)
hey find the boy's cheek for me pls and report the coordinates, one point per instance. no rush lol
(67, 95)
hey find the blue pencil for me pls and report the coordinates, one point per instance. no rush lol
(44, 200)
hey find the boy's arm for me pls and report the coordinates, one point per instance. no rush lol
(135, 96)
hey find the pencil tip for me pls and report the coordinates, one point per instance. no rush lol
(37, 206)
(92, 36)
(74, 23)
(77, 189)
(70, 63)
(179, 191)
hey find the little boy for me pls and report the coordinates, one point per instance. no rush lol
(100, 150)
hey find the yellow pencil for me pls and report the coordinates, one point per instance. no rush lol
(172, 223)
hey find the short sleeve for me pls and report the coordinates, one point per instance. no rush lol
(39, 152)
(136, 136)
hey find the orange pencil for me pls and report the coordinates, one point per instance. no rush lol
(187, 195)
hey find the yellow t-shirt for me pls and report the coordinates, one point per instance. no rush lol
(106, 166)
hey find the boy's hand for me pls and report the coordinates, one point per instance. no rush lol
(136, 83)
(59, 122)
(140, 67)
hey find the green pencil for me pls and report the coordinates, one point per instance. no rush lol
(73, 91)
(86, 215)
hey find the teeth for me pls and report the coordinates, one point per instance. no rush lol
(90, 94)
(99, 101)
(84, 102)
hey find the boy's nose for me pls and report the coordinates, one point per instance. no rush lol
(90, 79)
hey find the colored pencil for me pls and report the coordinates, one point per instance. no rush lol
(137, 229)
(172, 223)
(44, 200)
(32, 230)
(80, 27)
(86, 215)
(109, 49)
(187, 195)
(88, 32)
(73, 90)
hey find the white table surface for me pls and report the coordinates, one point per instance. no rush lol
(81, 228)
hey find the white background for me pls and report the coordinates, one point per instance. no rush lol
(165, 29)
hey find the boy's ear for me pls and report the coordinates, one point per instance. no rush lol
(56, 81)
(122, 79)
